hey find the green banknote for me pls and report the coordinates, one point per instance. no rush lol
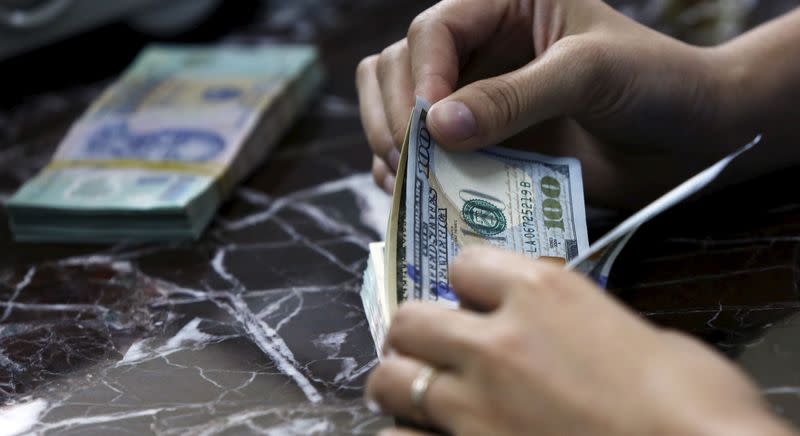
(156, 154)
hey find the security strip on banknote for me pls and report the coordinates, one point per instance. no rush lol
(157, 153)
(524, 202)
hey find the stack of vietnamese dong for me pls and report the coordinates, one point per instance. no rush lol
(156, 154)
(524, 202)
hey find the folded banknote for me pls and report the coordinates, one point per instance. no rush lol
(158, 152)
(520, 201)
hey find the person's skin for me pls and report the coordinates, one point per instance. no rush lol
(642, 111)
(548, 352)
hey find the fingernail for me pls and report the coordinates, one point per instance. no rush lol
(388, 184)
(393, 159)
(453, 120)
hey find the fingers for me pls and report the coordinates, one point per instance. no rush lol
(397, 90)
(382, 175)
(441, 336)
(389, 385)
(488, 111)
(483, 277)
(480, 276)
(441, 38)
(373, 116)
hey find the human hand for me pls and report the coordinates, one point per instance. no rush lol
(547, 352)
(642, 111)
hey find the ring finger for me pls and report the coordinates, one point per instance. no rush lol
(389, 386)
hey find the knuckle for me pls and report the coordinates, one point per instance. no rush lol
(378, 171)
(389, 57)
(404, 314)
(472, 344)
(461, 266)
(377, 143)
(545, 276)
(418, 25)
(398, 133)
(539, 287)
(377, 177)
(548, 286)
(382, 63)
(403, 323)
(578, 47)
(493, 348)
(592, 62)
(378, 383)
(365, 68)
(503, 97)
(507, 339)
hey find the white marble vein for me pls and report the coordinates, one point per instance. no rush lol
(189, 336)
(271, 343)
(21, 417)
(261, 316)
(373, 202)
(17, 290)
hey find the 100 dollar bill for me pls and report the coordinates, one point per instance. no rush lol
(521, 201)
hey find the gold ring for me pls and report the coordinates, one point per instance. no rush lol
(420, 385)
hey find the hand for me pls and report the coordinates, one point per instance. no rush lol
(549, 353)
(642, 111)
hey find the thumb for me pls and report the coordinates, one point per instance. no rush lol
(488, 111)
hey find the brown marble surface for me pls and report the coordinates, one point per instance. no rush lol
(258, 327)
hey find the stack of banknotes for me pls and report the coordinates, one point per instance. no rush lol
(520, 201)
(156, 154)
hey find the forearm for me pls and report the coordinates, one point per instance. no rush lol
(761, 72)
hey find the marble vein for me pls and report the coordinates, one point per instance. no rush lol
(376, 203)
(270, 342)
(17, 290)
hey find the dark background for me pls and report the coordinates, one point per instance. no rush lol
(724, 269)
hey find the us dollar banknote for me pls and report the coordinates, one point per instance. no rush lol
(521, 201)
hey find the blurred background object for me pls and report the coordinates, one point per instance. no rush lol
(703, 22)
(29, 24)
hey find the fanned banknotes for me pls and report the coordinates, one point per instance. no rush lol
(520, 201)
(156, 154)
(525, 202)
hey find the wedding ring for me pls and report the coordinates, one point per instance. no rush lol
(420, 385)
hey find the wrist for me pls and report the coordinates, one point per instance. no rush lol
(759, 84)
(737, 91)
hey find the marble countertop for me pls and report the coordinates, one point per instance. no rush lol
(258, 327)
